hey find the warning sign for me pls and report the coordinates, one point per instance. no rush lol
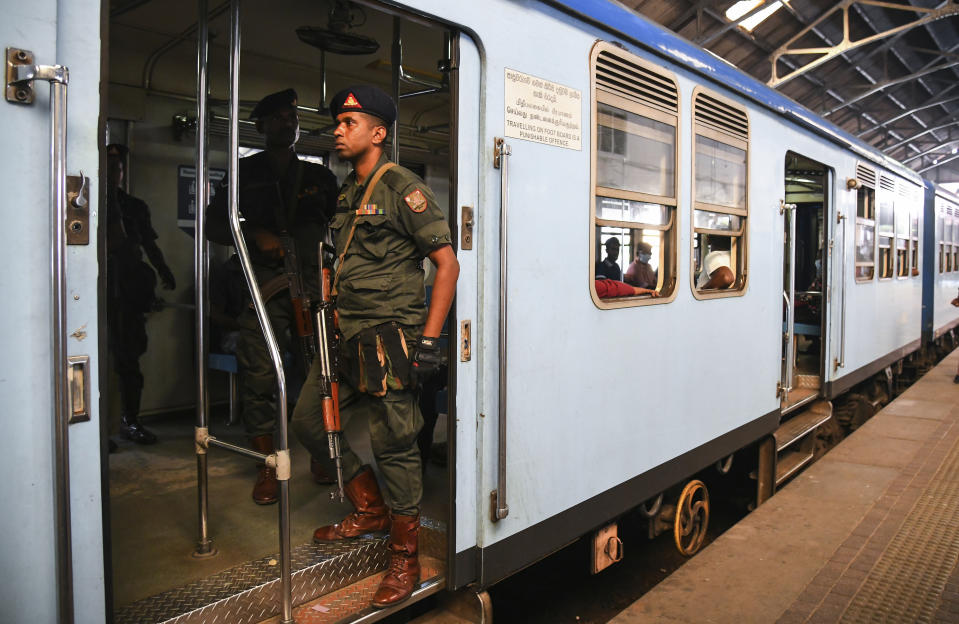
(543, 111)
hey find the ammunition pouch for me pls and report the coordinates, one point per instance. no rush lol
(376, 360)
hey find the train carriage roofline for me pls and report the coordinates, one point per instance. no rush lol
(638, 30)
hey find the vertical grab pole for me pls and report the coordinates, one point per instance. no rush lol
(396, 58)
(499, 509)
(61, 412)
(204, 547)
(260, 307)
(790, 295)
(841, 361)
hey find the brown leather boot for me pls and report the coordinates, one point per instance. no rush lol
(371, 513)
(404, 571)
(267, 488)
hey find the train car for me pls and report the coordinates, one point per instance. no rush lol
(940, 287)
(565, 139)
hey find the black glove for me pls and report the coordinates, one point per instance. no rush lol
(425, 362)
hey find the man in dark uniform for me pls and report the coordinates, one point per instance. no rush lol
(130, 290)
(279, 196)
(608, 267)
(387, 221)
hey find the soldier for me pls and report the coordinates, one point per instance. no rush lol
(130, 290)
(279, 195)
(387, 221)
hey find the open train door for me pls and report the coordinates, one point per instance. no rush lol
(51, 527)
(466, 154)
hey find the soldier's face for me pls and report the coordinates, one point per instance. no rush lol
(281, 128)
(355, 134)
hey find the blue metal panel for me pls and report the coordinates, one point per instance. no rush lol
(623, 22)
(928, 258)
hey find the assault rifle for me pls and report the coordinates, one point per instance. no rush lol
(327, 338)
(299, 299)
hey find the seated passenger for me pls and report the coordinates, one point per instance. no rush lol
(608, 267)
(607, 288)
(639, 273)
(716, 271)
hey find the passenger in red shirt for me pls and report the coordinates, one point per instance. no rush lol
(607, 288)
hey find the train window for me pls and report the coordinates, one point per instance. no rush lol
(955, 245)
(720, 206)
(914, 240)
(940, 232)
(865, 224)
(635, 114)
(903, 239)
(886, 228)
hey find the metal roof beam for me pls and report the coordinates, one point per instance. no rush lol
(924, 132)
(907, 113)
(936, 165)
(829, 52)
(891, 82)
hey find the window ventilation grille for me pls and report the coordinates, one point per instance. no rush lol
(905, 191)
(721, 116)
(637, 83)
(887, 183)
(866, 175)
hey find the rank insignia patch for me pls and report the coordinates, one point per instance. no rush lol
(351, 101)
(370, 209)
(416, 201)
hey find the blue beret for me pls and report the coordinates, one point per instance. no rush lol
(274, 102)
(365, 99)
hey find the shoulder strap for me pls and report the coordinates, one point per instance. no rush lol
(363, 201)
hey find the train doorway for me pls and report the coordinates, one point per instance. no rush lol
(169, 558)
(807, 185)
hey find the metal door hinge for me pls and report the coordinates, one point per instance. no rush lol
(78, 210)
(466, 227)
(78, 382)
(465, 346)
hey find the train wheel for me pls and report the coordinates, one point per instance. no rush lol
(854, 411)
(692, 518)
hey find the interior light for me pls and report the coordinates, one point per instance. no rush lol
(739, 9)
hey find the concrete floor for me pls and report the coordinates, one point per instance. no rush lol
(153, 505)
(803, 556)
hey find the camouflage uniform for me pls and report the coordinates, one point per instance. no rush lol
(381, 301)
(302, 203)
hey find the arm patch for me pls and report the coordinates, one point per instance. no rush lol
(416, 201)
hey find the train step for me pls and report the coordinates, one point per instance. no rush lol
(795, 440)
(338, 573)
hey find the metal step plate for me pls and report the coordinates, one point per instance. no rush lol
(352, 603)
(801, 424)
(250, 592)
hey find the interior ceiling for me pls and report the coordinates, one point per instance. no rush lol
(898, 92)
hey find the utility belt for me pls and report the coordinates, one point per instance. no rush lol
(376, 360)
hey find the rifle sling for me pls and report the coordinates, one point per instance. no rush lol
(363, 201)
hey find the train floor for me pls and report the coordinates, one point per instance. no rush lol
(869, 533)
(154, 517)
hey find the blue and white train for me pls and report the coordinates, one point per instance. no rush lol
(549, 128)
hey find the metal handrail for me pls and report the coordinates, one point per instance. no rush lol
(260, 307)
(790, 294)
(500, 509)
(204, 547)
(58, 76)
(841, 361)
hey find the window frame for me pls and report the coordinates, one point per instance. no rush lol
(865, 222)
(881, 194)
(668, 268)
(741, 285)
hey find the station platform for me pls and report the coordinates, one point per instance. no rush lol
(869, 533)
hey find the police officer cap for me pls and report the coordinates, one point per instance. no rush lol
(274, 102)
(643, 247)
(365, 99)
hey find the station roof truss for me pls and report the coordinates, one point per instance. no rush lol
(886, 71)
